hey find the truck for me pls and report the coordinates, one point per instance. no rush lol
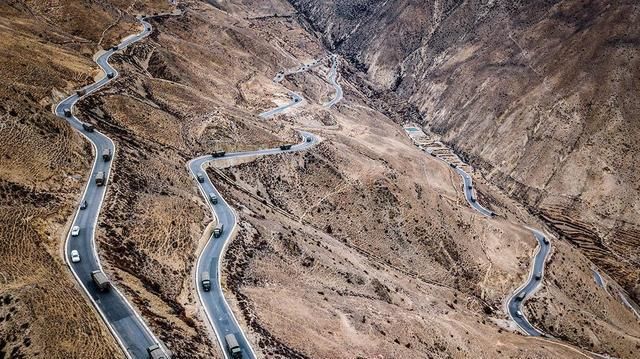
(452, 165)
(101, 281)
(233, 346)
(200, 177)
(205, 280)
(110, 75)
(217, 232)
(106, 154)
(521, 296)
(81, 92)
(67, 112)
(114, 48)
(88, 127)
(213, 198)
(218, 154)
(155, 352)
(100, 178)
(285, 147)
(545, 240)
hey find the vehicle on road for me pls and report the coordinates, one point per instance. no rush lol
(101, 281)
(84, 204)
(538, 276)
(81, 92)
(205, 280)
(110, 75)
(285, 147)
(88, 127)
(545, 240)
(432, 154)
(309, 139)
(469, 187)
(200, 177)
(493, 214)
(217, 232)
(100, 178)
(213, 198)
(452, 165)
(472, 199)
(218, 154)
(232, 345)
(155, 352)
(519, 314)
(296, 100)
(75, 256)
(521, 296)
(106, 154)
(75, 231)
(114, 48)
(67, 112)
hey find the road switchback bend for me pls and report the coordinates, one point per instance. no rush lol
(217, 309)
(127, 326)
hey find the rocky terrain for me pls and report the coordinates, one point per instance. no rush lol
(538, 95)
(360, 247)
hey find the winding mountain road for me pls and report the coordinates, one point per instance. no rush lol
(218, 312)
(536, 274)
(296, 100)
(333, 79)
(127, 326)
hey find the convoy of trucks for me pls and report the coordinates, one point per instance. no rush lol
(101, 281)
(106, 154)
(100, 178)
(205, 279)
(217, 232)
(233, 346)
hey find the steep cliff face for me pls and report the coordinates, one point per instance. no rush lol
(541, 95)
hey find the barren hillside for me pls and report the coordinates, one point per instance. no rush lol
(539, 95)
(362, 246)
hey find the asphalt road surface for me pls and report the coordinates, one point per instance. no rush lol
(514, 303)
(296, 100)
(333, 75)
(218, 312)
(124, 322)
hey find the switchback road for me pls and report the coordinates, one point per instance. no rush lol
(218, 312)
(127, 326)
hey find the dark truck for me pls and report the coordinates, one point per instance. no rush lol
(67, 112)
(205, 279)
(81, 92)
(101, 280)
(233, 346)
(285, 147)
(100, 178)
(106, 154)
(110, 75)
(88, 127)
(155, 352)
(217, 232)
(452, 165)
(218, 154)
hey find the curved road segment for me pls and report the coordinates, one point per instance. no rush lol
(216, 307)
(296, 100)
(333, 78)
(128, 327)
(514, 303)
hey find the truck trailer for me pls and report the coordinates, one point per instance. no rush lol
(106, 154)
(217, 232)
(285, 147)
(101, 281)
(218, 154)
(100, 178)
(155, 352)
(88, 127)
(205, 280)
(233, 346)
(67, 112)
